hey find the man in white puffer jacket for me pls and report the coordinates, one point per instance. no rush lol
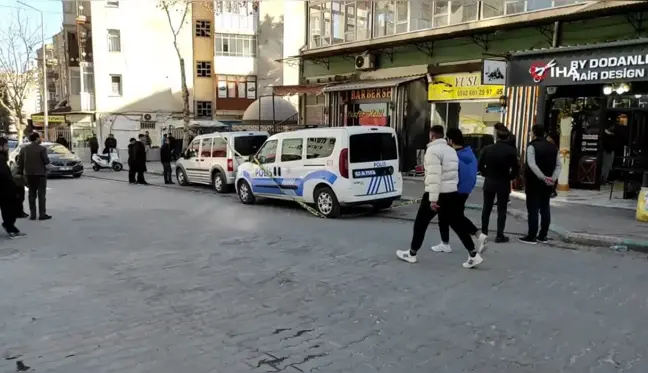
(441, 196)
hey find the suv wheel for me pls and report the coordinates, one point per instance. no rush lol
(245, 193)
(326, 202)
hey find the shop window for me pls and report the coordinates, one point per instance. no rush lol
(319, 147)
(368, 114)
(203, 29)
(205, 147)
(203, 109)
(291, 150)
(469, 116)
(232, 86)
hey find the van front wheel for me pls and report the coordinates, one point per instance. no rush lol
(326, 202)
(245, 192)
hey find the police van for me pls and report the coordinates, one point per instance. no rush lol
(327, 167)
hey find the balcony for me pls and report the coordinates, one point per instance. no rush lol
(334, 23)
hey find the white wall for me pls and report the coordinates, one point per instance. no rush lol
(227, 65)
(147, 62)
(270, 45)
(294, 39)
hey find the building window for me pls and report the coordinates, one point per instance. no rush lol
(75, 82)
(112, 3)
(203, 69)
(147, 125)
(203, 109)
(235, 45)
(203, 29)
(116, 85)
(114, 41)
(230, 86)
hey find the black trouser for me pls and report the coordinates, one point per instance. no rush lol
(538, 202)
(450, 212)
(9, 214)
(444, 228)
(140, 177)
(502, 193)
(131, 174)
(20, 199)
(166, 167)
(37, 186)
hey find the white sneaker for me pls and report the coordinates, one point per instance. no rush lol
(473, 261)
(442, 248)
(482, 240)
(406, 256)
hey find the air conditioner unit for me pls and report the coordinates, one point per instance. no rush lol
(365, 61)
(148, 117)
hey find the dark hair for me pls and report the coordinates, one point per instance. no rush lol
(141, 135)
(132, 139)
(538, 130)
(3, 141)
(455, 135)
(502, 134)
(34, 136)
(437, 130)
(500, 126)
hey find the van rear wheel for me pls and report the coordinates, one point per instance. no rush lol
(326, 202)
(219, 181)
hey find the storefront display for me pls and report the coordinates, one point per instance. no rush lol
(597, 87)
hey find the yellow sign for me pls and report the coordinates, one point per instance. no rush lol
(50, 118)
(464, 86)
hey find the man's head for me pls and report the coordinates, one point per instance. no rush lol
(537, 131)
(34, 137)
(132, 140)
(502, 135)
(166, 140)
(111, 135)
(141, 137)
(436, 132)
(499, 126)
(455, 138)
(4, 145)
(146, 132)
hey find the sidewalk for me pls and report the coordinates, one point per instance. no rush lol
(154, 168)
(575, 223)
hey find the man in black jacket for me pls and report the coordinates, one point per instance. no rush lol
(131, 170)
(110, 143)
(499, 165)
(8, 197)
(94, 145)
(540, 172)
(139, 159)
(166, 158)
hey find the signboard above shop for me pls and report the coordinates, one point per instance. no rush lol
(462, 86)
(371, 94)
(611, 63)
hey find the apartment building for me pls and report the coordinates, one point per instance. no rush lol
(412, 64)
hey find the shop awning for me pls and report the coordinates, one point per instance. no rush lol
(368, 84)
(307, 89)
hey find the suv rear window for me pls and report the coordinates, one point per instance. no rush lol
(372, 147)
(248, 145)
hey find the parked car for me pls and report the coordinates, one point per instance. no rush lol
(62, 161)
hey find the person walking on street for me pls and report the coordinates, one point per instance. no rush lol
(62, 141)
(131, 169)
(110, 143)
(165, 158)
(139, 159)
(440, 196)
(33, 162)
(499, 165)
(147, 142)
(609, 144)
(8, 197)
(541, 170)
(94, 145)
(467, 182)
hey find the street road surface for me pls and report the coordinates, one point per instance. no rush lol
(145, 279)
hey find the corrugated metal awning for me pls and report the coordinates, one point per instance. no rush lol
(366, 84)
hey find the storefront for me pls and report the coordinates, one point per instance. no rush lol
(398, 103)
(581, 92)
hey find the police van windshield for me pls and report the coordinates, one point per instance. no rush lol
(248, 145)
(372, 147)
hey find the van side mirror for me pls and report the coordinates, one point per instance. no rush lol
(251, 158)
(186, 154)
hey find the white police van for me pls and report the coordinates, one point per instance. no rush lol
(327, 167)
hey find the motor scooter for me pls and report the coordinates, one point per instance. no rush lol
(110, 160)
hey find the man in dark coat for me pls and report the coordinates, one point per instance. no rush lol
(499, 165)
(139, 159)
(33, 162)
(7, 193)
(131, 170)
(110, 143)
(166, 159)
(62, 140)
(94, 145)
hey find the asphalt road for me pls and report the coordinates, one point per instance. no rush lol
(146, 279)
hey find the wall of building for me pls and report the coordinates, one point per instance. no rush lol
(271, 46)
(293, 41)
(203, 50)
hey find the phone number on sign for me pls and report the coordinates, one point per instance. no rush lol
(481, 92)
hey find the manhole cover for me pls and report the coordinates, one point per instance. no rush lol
(7, 252)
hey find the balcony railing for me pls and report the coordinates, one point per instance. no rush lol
(338, 22)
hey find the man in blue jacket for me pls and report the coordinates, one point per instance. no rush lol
(467, 181)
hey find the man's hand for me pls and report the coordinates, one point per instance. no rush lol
(549, 181)
(434, 206)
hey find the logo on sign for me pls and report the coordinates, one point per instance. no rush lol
(539, 71)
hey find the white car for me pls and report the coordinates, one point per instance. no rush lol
(213, 158)
(327, 167)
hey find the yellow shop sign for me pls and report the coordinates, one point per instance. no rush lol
(462, 86)
(50, 118)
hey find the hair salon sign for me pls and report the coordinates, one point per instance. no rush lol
(590, 67)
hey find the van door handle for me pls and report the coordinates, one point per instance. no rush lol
(274, 171)
(279, 171)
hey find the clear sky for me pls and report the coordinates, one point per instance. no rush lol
(52, 13)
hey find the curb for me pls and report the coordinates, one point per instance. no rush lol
(575, 237)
